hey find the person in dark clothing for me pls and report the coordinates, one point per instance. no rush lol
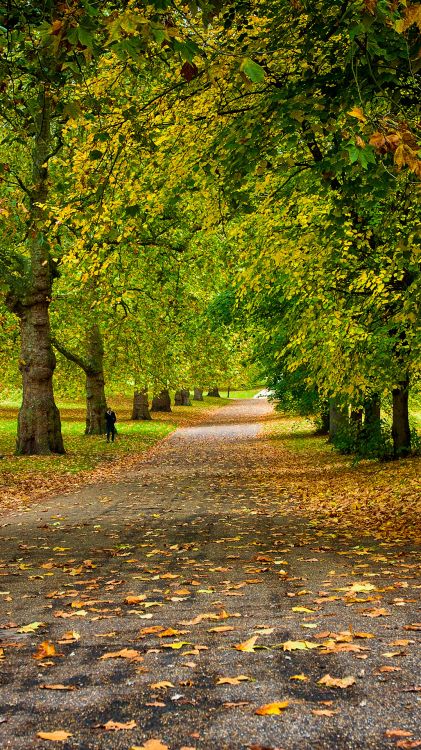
(111, 419)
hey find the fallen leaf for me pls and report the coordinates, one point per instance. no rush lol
(72, 636)
(221, 629)
(232, 680)
(247, 645)
(299, 677)
(337, 682)
(125, 653)
(134, 599)
(161, 685)
(299, 645)
(323, 712)
(270, 709)
(115, 726)
(58, 687)
(31, 627)
(46, 648)
(397, 733)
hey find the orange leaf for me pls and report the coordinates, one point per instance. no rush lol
(247, 645)
(46, 648)
(337, 682)
(270, 709)
(115, 726)
(125, 653)
(58, 736)
(151, 745)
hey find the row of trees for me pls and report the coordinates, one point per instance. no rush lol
(263, 156)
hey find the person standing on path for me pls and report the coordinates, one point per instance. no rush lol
(111, 419)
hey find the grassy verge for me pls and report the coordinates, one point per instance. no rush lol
(88, 458)
(380, 499)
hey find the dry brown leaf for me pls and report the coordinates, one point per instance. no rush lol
(170, 632)
(221, 629)
(115, 726)
(397, 733)
(232, 680)
(58, 736)
(72, 636)
(58, 686)
(390, 669)
(125, 653)
(270, 709)
(323, 712)
(337, 682)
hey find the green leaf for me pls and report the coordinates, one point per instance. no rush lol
(95, 154)
(253, 70)
(85, 37)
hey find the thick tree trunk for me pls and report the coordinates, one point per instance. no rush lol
(185, 397)
(96, 404)
(161, 402)
(141, 405)
(401, 432)
(214, 392)
(198, 394)
(178, 398)
(338, 419)
(372, 412)
(39, 428)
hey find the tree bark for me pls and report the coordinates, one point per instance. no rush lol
(401, 432)
(338, 419)
(93, 367)
(214, 392)
(141, 405)
(39, 428)
(324, 420)
(178, 398)
(161, 402)
(198, 394)
(372, 412)
(96, 404)
(357, 417)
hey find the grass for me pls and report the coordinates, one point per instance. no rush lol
(241, 394)
(87, 457)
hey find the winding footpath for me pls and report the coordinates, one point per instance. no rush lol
(138, 594)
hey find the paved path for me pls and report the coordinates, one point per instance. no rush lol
(195, 534)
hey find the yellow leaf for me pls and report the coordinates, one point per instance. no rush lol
(299, 645)
(270, 709)
(31, 627)
(247, 645)
(58, 736)
(300, 677)
(150, 745)
(176, 644)
(358, 113)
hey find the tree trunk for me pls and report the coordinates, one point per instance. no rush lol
(161, 402)
(214, 392)
(178, 398)
(39, 428)
(324, 420)
(372, 412)
(185, 397)
(96, 404)
(401, 432)
(357, 417)
(198, 394)
(141, 405)
(338, 419)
